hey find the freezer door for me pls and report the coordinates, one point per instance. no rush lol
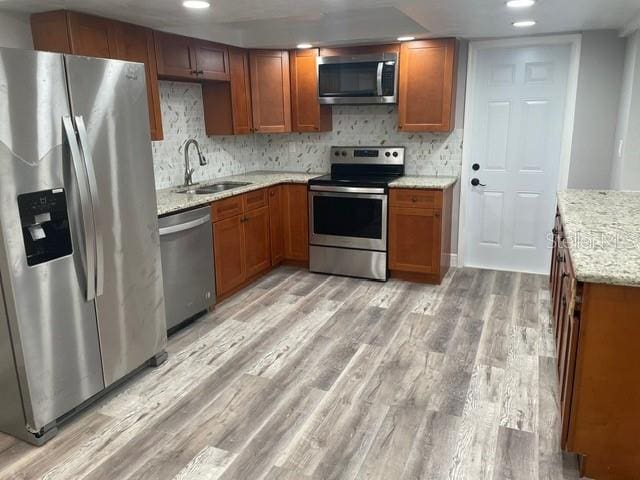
(109, 104)
(53, 326)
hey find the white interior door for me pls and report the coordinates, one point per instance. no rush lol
(517, 115)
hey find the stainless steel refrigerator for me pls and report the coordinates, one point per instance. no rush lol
(81, 300)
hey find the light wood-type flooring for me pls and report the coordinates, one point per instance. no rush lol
(305, 376)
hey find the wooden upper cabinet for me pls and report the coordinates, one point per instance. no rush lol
(174, 55)
(227, 106)
(91, 36)
(307, 115)
(79, 34)
(427, 86)
(135, 44)
(212, 60)
(240, 91)
(50, 32)
(187, 58)
(270, 90)
(71, 32)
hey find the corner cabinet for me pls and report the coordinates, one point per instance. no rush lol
(270, 91)
(79, 34)
(427, 86)
(420, 233)
(307, 115)
(227, 105)
(596, 328)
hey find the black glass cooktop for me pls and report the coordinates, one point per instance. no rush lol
(354, 180)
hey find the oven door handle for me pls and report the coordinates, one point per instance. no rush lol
(331, 189)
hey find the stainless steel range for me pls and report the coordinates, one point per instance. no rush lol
(348, 212)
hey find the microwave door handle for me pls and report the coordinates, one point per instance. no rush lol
(95, 202)
(379, 78)
(85, 201)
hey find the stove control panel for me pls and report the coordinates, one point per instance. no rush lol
(368, 155)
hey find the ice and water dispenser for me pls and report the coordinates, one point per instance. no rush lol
(45, 225)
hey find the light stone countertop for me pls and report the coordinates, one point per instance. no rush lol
(603, 233)
(438, 183)
(169, 201)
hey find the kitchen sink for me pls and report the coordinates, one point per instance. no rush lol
(213, 188)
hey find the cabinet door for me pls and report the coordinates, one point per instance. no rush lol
(414, 240)
(270, 91)
(240, 91)
(426, 91)
(307, 115)
(212, 60)
(295, 203)
(174, 56)
(228, 248)
(90, 36)
(135, 44)
(256, 240)
(276, 225)
(50, 31)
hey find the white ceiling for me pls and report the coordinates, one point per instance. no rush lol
(284, 23)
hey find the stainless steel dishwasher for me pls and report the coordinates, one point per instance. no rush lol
(186, 242)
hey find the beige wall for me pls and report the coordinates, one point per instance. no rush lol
(15, 31)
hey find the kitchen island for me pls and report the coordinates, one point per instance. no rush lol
(595, 284)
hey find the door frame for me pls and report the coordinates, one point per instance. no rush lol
(572, 40)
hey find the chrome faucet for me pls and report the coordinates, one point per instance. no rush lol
(188, 172)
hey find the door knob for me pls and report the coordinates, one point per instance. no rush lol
(475, 167)
(475, 182)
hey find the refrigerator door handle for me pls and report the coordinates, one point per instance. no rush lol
(85, 201)
(95, 202)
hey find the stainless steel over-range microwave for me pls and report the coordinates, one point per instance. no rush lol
(358, 79)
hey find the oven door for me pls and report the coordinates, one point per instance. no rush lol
(348, 217)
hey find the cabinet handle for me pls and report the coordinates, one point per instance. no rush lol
(414, 199)
(437, 214)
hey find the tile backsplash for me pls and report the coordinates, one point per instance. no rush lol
(183, 118)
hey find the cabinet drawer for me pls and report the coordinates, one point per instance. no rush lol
(226, 208)
(415, 198)
(256, 199)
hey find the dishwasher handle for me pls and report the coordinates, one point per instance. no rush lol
(184, 226)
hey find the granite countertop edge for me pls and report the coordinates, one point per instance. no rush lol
(592, 219)
(170, 202)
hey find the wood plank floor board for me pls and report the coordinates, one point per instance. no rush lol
(516, 457)
(306, 377)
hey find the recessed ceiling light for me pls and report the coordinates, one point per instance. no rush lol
(524, 23)
(304, 45)
(406, 39)
(520, 3)
(195, 4)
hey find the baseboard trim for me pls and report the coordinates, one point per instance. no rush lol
(453, 260)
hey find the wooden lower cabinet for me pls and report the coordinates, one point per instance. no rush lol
(276, 225)
(241, 240)
(295, 222)
(257, 241)
(419, 233)
(597, 327)
(257, 230)
(229, 254)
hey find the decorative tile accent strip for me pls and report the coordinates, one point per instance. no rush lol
(183, 118)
